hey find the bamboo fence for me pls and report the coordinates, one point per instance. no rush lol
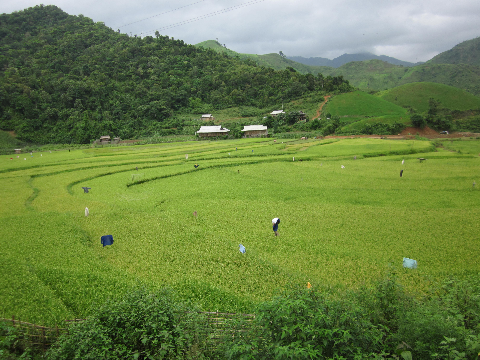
(218, 325)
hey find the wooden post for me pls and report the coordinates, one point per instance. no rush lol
(44, 340)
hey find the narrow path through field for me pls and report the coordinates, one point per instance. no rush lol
(319, 110)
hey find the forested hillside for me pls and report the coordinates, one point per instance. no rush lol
(467, 52)
(67, 79)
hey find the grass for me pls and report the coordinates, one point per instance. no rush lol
(356, 109)
(359, 103)
(342, 227)
(417, 95)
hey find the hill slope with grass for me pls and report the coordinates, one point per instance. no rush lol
(462, 76)
(417, 96)
(379, 75)
(358, 112)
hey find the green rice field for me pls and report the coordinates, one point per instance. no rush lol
(347, 218)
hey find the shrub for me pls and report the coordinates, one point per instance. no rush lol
(13, 345)
(305, 324)
(425, 327)
(418, 121)
(10, 343)
(142, 325)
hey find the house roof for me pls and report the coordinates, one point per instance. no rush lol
(212, 129)
(276, 112)
(207, 115)
(254, 127)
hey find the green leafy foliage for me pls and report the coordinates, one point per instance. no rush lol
(418, 121)
(141, 325)
(305, 324)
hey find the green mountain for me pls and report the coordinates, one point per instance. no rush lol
(371, 74)
(67, 79)
(457, 67)
(379, 75)
(467, 52)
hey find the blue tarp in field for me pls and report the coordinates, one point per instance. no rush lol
(107, 240)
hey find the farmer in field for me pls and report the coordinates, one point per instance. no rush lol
(275, 223)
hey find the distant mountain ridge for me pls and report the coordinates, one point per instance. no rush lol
(346, 58)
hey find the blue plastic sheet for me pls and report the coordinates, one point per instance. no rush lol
(409, 263)
(242, 249)
(107, 240)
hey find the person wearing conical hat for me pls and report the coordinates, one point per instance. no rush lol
(275, 223)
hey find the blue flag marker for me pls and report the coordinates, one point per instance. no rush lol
(242, 249)
(409, 263)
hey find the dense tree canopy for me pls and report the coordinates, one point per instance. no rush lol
(67, 79)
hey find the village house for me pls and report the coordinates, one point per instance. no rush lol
(277, 112)
(255, 130)
(207, 117)
(208, 131)
(105, 139)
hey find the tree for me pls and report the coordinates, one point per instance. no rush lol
(418, 121)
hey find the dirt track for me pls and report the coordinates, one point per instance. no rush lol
(319, 110)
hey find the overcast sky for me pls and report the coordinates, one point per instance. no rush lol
(409, 30)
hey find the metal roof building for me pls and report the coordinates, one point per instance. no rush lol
(217, 130)
(255, 130)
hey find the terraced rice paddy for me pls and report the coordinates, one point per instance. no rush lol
(341, 227)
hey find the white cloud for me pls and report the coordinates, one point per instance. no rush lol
(411, 30)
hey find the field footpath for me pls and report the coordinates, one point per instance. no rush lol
(319, 110)
(410, 133)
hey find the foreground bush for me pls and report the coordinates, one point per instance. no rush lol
(306, 324)
(378, 322)
(142, 325)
